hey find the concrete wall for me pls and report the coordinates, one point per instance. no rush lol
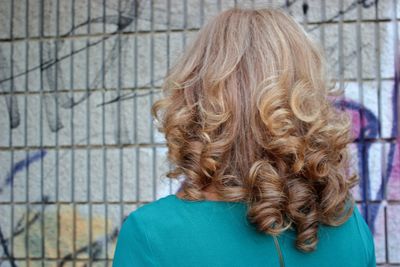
(78, 150)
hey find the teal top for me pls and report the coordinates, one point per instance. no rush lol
(175, 232)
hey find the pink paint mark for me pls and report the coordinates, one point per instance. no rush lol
(393, 186)
(353, 109)
(356, 120)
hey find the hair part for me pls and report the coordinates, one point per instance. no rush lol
(247, 109)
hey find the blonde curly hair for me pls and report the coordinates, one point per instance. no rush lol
(247, 109)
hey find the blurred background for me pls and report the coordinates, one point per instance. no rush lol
(78, 147)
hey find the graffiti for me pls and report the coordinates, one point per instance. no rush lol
(21, 165)
(352, 6)
(29, 225)
(31, 220)
(53, 73)
(368, 128)
(18, 167)
(3, 242)
(17, 232)
(82, 249)
(8, 86)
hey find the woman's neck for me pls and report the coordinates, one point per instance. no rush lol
(209, 193)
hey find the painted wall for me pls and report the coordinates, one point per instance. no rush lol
(78, 149)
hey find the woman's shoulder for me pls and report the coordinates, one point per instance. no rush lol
(354, 226)
(160, 220)
(357, 226)
(353, 237)
(154, 209)
(364, 232)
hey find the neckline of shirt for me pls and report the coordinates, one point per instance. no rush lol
(205, 201)
(218, 204)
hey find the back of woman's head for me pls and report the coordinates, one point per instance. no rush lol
(247, 109)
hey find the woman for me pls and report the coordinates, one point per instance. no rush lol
(250, 125)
